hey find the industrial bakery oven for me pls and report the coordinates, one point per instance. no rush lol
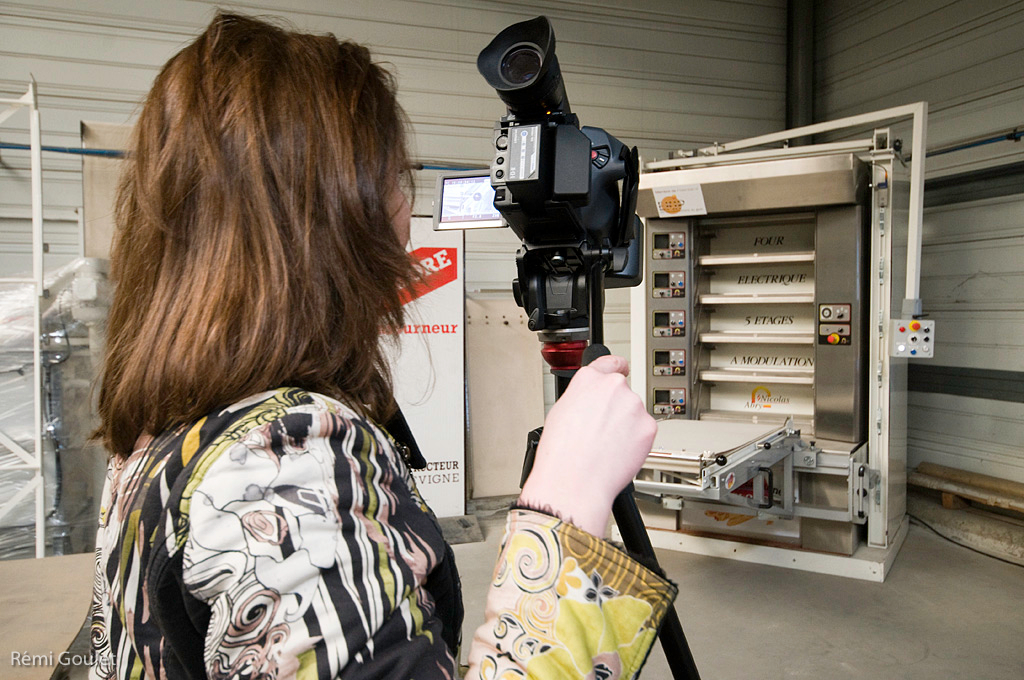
(770, 338)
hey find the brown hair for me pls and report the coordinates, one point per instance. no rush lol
(254, 247)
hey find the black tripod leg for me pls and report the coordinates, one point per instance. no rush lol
(634, 537)
(636, 540)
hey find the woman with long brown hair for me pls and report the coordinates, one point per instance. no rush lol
(259, 517)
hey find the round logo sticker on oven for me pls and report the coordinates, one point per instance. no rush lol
(730, 480)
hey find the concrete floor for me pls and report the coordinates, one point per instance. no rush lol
(43, 604)
(944, 612)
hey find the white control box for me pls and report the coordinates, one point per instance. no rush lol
(912, 338)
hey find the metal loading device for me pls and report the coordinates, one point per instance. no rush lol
(731, 464)
(749, 466)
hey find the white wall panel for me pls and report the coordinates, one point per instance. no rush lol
(965, 58)
(658, 74)
(972, 275)
(980, 435)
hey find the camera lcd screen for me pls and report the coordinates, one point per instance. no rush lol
(466, 202)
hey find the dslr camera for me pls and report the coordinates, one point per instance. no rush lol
(568, 193)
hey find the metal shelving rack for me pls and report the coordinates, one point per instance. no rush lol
(31, 461)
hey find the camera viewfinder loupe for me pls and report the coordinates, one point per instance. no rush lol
(520, 64)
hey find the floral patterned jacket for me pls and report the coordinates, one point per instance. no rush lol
(284, 537)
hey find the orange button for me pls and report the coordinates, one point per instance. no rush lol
(915, 325)
(833, 339)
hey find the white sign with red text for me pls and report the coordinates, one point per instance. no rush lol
(429, 372)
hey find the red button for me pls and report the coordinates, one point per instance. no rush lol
(915, 325)
(833, 339)
(903, 329)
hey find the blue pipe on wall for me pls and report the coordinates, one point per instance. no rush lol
(105, 153)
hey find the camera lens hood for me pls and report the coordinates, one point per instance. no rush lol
(520, 64)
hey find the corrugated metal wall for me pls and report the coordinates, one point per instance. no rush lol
(658, 74)
(965, 58)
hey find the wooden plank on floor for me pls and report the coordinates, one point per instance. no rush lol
(987, 497)
(953, 502)
(1003, 487)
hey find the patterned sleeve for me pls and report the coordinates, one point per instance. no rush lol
(565, 604)
(311, 549)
